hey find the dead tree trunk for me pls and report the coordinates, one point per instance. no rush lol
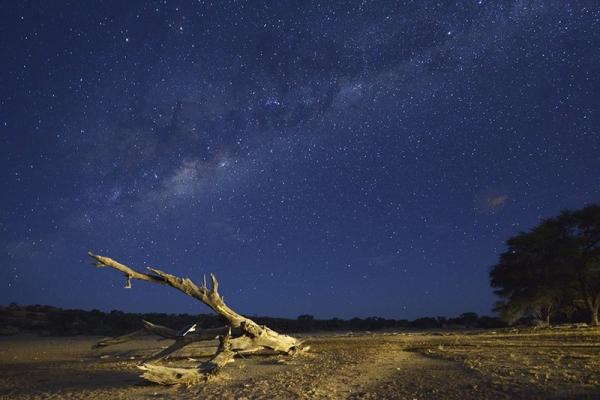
(249, 336)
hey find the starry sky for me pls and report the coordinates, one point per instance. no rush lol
(336, 158)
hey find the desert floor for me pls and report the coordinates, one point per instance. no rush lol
(506, 364)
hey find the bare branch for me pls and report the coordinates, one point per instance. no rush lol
(250, 337)
(120, 339)
(190, 376)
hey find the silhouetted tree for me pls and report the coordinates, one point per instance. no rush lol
(525, 277)
(551, 268)
(306, 322)
(469, 319)
(582, 255)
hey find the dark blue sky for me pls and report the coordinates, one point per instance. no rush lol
(337, 159)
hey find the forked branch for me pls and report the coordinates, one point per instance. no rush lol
(249, 336)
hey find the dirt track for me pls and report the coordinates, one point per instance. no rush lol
(392, 366)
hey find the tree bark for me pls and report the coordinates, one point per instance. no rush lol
(251, 336)
(191, 376)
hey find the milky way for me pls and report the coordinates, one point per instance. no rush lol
(336, 159)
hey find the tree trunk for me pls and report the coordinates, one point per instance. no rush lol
(593, 306)
(594, 314)
(545, 312)
(251, 336)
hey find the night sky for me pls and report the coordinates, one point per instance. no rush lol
(338, 158)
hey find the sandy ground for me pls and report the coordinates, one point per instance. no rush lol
(558, 363)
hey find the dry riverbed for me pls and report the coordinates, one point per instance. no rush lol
(507, 364)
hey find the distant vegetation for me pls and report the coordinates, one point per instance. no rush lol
(552, 273)
(48, 320)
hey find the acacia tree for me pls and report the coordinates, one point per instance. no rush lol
(555, 265)
(524, 277)
(581, 255)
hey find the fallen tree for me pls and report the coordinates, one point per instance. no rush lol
(241, 335)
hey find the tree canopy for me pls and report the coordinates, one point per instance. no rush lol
(553, 268)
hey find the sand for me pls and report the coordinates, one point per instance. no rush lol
(557, 363)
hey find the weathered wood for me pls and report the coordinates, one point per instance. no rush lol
(250, 337)
(120, 339)
(148, 329)
(172, 376)
(191, 376)
(264, 336)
